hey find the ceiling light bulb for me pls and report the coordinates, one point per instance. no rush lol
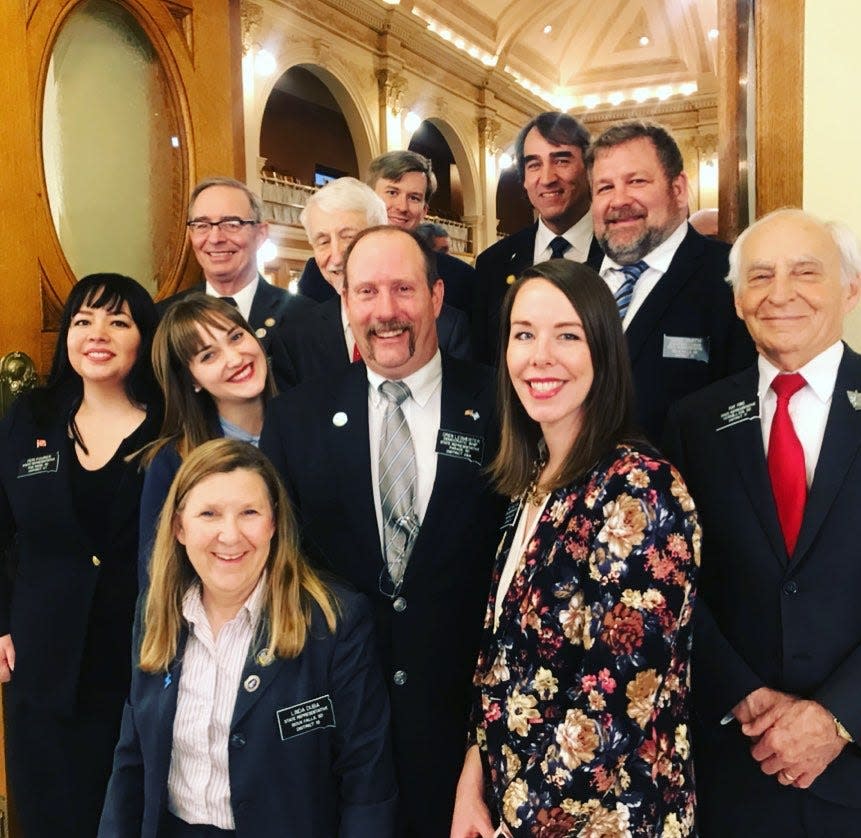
(548, 29)
(644, 40)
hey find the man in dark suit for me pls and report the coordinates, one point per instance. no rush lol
(549, 152)
(668, 280)
(226, 229)
(422, 550)
(322, 342)
(406, 183)
(772, 457)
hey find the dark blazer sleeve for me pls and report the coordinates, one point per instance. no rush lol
(722, 677)
(159, 475)
(363, 759)
(123, 811)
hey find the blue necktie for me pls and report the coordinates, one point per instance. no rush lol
(626, 289)
(559, 247)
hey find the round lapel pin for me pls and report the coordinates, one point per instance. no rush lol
(252, 682)
(339, 419)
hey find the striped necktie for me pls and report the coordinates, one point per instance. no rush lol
(397, 482)
(626, 289)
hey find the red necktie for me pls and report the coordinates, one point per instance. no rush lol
(786, 461)
(357, 356)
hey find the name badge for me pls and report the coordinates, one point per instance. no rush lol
(686, 349)
(42, 464)
(737, 413)
(463, 446)
(314, 714)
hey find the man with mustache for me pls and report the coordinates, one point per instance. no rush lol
(384, 463)
(323, 342)
(668, 280)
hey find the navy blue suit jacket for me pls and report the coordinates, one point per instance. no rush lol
(317, 346)
(328, 781)
(764, 618)
(496, 269)
(691, 301)
(47, 605)
(433, 640)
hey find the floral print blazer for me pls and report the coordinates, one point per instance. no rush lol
(581, 710)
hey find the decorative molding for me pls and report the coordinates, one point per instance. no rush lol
(488, 133)
(251, 16)
(392, 87)
(181, 13)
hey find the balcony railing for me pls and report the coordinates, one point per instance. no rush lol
(285, 198)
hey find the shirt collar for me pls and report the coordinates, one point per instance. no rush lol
(192, 604)
(244, 297)
(660, 257)
(820, 372)
(422, 383)
(579, 236)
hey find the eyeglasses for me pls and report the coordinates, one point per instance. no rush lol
(199, 227)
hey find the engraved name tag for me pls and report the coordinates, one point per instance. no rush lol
(463, 446)
(687, 349)
(314, 714)
(40, 464)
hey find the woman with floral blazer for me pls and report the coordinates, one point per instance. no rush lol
(581, 709)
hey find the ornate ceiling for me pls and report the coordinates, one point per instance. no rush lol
(583, 53)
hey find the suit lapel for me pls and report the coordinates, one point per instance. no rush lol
(839, 449)
(596, 255)
(651, 312)
(745, 443)
(329, 338)
(351, 456)
(523, 251)
(256, 678)
(456, 397)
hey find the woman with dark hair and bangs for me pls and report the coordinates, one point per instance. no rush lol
(69, 493)
(215, 379)
(580, 718)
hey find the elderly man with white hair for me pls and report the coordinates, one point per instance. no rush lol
(772, 456)
(332, 218)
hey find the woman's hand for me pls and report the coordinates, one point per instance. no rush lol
(471, 817)
(7, 658)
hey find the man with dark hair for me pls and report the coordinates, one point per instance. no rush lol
(668, 280)
(549, 151)
(226, 229)
(406, 183)
(384, 462)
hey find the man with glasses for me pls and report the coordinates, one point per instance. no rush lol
(226, 229)
(384, 462)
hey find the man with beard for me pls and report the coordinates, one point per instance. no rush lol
(668, 280)
(384, 463)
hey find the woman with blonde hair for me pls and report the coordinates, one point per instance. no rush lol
(580, 717)
(216, 381)
(257, 705)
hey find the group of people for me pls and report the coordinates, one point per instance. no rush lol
(299, 565)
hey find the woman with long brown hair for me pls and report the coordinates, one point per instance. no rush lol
(581, 688)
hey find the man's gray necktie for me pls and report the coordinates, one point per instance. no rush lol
(397, 482)
(626, 289)
(559, 246)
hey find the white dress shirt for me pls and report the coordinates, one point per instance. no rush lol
(243, 298)
(658, 261)
(348, 332)
(422, 413)
(579, 237)
(198, 782)
(808, 408)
